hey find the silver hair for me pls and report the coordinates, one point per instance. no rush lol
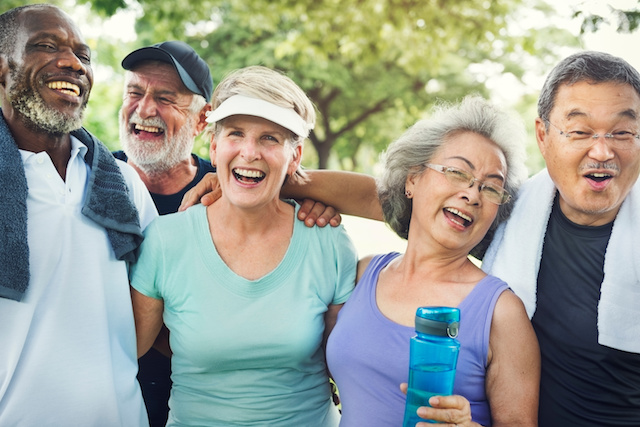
(589, 66)
(409, 154)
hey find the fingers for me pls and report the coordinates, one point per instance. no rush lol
(208, 184)
(447, 409)
(316, 213)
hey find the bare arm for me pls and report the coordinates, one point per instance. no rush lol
(147, 313)
(513, 375)
(349, 192)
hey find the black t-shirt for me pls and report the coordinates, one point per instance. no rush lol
(583, 383)
(170, 203)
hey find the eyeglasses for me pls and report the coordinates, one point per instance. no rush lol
(461, 178)
(581, 139)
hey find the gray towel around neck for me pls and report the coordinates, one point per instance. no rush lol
(107, 203)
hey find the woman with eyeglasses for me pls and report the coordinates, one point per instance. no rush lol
(447, 182)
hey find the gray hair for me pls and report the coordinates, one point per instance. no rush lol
(410, 153)
(589, 66)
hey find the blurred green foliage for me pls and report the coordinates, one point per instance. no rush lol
(371, 67)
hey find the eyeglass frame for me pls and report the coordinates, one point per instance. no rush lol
(504, 195)
(609, 137)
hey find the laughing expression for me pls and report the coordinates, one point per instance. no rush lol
(453, 216)
(253, 156)
(50, 75)
(157, 124)
(592, 182)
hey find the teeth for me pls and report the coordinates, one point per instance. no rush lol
(460, 214)
(249, 173)
(600, 175)
(151, 129)
(65, 87)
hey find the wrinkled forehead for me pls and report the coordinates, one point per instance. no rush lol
(46, 20)
(597, 101)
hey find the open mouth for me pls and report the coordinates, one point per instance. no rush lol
(248, 176)
(138, 129)
(599, 176)
(65, 87)
(458, 217)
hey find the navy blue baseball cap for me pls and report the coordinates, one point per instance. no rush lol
(191, 68)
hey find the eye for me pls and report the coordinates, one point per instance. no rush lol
(490, 189)
(84, 57)
(272, 139)
(46, 46)
(458, 174)
(579, 134)
(623, 135)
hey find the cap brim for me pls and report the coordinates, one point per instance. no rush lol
(153, 53)
(244, 105)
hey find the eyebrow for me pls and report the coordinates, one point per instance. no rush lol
(628, 114)
(473, 168)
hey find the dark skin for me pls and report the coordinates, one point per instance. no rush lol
(52, 51)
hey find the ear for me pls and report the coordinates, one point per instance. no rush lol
(541, 135)
(295, 162)
(212, 150)
(4, 71)
(410, 183)
(202, 119)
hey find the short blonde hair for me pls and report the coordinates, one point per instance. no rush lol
(269, 85)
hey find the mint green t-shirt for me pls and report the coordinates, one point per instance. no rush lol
(245, 352)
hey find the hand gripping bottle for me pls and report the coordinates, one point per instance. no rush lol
(433, 356)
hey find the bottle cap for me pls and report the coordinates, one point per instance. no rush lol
(439, 321)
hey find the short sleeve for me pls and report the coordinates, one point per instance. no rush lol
(145, 273)
(347, 262)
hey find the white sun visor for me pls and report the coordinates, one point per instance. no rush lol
(245, 105)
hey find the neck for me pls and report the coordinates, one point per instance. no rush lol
(169, 181)
(58, 147)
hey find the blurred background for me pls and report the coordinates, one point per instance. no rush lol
(371, 67)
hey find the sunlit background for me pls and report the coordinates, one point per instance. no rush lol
(111, 37)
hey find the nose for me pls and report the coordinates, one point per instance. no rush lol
(146, 106)
(250, 149)
(472, 193)
(601, 150)
(69, 60)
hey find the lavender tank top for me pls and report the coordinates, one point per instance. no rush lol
(368, 354)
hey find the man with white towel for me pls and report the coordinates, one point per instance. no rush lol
(570, 249)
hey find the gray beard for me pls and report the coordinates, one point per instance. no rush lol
(36, 114)
(156, 162)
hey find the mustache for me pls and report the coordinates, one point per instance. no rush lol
(600, 165)
(135, 119)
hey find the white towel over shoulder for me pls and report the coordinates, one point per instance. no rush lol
(515, 253)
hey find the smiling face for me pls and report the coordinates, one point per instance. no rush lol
(592, 182)
(453, 216)
(253, 156)
(50, 75)
(157, 121)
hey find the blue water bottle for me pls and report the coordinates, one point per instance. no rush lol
(433, 355)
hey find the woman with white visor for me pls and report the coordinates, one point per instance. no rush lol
(248, 293)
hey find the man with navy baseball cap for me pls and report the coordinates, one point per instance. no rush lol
(166, 97)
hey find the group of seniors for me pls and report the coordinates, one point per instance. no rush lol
(262, 310)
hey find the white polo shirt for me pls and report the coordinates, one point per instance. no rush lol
(68, 349)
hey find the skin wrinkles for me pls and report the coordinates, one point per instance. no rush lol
(585, 197)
